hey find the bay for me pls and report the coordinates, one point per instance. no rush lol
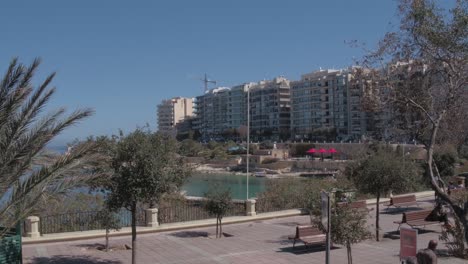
(199, 184)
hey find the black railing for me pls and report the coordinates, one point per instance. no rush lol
(84, 221)
(264, 205)
(172, 212)
(190, 210)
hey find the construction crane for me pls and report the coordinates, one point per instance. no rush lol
(207, 81)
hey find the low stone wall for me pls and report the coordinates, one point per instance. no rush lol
(153, 225)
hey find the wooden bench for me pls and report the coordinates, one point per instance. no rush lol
(400, 201)
(309, 235)
(416, 219)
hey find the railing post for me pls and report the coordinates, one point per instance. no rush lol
(250, 207)
(152, 217)
(32, 227)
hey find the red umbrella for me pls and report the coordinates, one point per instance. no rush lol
(312, 151)
(322, 150)
(332, 151)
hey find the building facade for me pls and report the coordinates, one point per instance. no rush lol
(211, 111)
(170, 112)
(270, 104)
(322, 105)
(326, 105)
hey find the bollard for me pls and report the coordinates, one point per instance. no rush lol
(250, 207)
(152, 217)
(32, 227)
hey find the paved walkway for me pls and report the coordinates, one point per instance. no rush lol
(255, 242)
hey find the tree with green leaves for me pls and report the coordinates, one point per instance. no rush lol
(349, 226)
(383, 172)
(27, 173)
(146, 166)
(446, 161)
(218, 202)
(419, 71)
(190, 148)
(110, 221)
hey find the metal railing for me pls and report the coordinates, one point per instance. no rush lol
(190, 210)
(84, 221)
(265, 205)
(172, 212)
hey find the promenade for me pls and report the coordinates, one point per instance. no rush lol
(262, 241)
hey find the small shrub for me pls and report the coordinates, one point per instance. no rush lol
(218, 203)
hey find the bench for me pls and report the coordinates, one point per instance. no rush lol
(309, 235)
(416, 219)
(400, 201)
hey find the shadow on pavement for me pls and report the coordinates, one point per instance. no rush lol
(91, 245)
(72, 260)
(190, 234)
(395, 211)
(299, 250)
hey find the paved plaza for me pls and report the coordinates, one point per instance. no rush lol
(264, 241)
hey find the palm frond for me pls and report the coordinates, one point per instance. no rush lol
(24, 134)
(49, 179)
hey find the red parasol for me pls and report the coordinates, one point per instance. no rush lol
(322, 150)
(312, 151)
(332, 151)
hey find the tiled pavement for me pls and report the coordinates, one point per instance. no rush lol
(255, 242)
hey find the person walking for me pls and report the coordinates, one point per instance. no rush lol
(428, 255)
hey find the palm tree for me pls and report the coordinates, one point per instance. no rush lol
(25, 178)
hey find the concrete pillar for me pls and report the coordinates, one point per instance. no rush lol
(32, 227)
(250, 207)
(152, 217)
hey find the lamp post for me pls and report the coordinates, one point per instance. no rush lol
(248, 140)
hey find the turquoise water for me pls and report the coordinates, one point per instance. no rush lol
(198, 184)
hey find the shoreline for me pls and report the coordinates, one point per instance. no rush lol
(208, 170)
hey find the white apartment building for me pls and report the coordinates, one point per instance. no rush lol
(327, 102)
(211, 111)
(270, 109)
(170, 112)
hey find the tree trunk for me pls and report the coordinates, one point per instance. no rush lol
(462, 213)
(377, 217)
(350, 257)
(217, 224)
(133, 209)
(220, 227)
(107, 239)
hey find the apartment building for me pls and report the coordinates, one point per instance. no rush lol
(322, 105)
(270, 109)
(325, 104)
(170, 112)
(212, 113)
(237, 106)
(222, 112)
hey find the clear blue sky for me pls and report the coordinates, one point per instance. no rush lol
(123, 57)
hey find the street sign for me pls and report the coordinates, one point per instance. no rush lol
(408, 242)
(324, 204)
